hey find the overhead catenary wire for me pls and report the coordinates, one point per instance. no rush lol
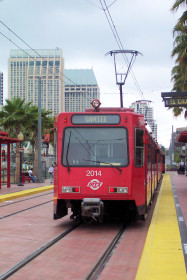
(112, 3)
(112, 26)
(32, 50)
(48, 69)
(38, 53)
(118, 40)
(105, 93)
(131, 71)
(93, 4)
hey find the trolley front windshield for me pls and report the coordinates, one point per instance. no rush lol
(95, 146)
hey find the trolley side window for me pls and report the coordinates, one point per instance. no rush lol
(139, 148)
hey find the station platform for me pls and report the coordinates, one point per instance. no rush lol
(16, 191)
(165, 251)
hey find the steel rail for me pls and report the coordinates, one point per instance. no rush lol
(97, 269)
(37, 252)
(8, 204)
(12, 214)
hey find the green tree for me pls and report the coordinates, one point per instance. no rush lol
(13, 117)
(17, 116)
(179, 71)
(31, 129)
(177, 156)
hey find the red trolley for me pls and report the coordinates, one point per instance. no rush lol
(106, 164)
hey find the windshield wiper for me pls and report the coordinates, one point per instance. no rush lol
(98, 161)
(67, 152)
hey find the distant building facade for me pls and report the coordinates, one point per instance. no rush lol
(1, 89)
(80, 89)
(142, 107)
(27, 67)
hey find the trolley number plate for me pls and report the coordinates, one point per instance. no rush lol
(93, 173)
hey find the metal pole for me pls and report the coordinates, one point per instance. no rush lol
(39, 179)
(8, 165)
(129, 65)
(20, 173)
(171, 148)
(121, 95)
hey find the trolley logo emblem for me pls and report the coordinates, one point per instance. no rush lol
(94, 184)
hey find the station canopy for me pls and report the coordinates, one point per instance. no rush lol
(182, 137)
(5, 139)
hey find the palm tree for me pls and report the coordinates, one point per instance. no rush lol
(177, 4)
(17, 116)
(179, 71)
(12, 119)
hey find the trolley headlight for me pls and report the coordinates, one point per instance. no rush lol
(118, 190)
(67, 189)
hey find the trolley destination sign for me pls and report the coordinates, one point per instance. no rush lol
(95, 119)
(175, 99)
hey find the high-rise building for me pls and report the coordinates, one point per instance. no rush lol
(80, 89)
(142, 107)
(26, 68)
(1, 89)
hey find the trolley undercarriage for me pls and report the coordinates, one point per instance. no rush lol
(94, 209)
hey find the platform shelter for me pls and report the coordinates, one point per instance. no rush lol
(5, 142)
(182, 137)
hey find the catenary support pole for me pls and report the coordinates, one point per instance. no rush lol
(39, 179)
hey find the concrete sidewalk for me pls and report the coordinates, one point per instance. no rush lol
(16, 191)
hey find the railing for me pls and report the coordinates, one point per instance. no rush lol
(4, 176)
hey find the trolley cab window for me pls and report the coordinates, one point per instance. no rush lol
(95, 146)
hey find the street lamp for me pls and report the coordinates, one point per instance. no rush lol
(20, 137)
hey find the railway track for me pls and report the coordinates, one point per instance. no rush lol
(23, 210)
(98, 268)
(37, 252)
(22, 200)
(31, 257)
(91, 275)
(20, 207)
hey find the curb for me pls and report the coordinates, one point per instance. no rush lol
(14, 195)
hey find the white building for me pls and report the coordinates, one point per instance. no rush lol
(27, 67)
(80, 89)
(143, 107)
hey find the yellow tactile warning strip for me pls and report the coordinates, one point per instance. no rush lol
(162, 256)
(14, 195)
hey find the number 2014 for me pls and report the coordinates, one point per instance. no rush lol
(93, 173)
